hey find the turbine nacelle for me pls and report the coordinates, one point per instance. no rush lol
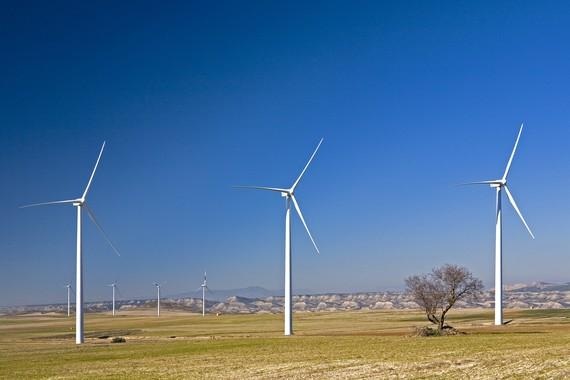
(498, 183)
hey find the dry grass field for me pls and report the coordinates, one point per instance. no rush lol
(341, 345)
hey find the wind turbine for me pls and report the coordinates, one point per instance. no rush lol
(157, 298)
(81, 203)
(68, 286)
(113, 285)
(289, 195)
(499, 185)
(204, 287)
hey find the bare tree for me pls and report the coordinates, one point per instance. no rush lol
(439, 290)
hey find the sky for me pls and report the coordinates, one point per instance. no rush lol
(412, 99)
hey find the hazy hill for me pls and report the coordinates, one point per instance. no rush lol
(259, 300)
(220, 295)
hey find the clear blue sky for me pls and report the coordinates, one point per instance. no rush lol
(412, 98)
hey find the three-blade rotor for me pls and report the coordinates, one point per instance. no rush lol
(82, 201)
(502, 183)
(290, 193)
(204, 284)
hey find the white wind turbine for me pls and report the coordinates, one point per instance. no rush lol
(499, 185)
(80, 203)
(114, 286)
(157, 298)
(68, 286)
(204, 287)
(289, 195)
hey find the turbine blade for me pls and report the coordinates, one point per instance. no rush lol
(49, 203)
(94, 220)
(93, 172)
(513, 153)
(514, 204)
(306, 166)
(477, 183)
(263, 188)
(303, 220)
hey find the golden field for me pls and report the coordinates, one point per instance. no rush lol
(343, 345)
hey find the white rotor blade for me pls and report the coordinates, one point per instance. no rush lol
(513, 153)
(49, 203)
(306, 166)
(477, 183)
(94, 170)
(263, 188)
(303, 220)
(94, 220)
(514, 204)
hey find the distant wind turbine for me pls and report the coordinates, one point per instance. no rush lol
(204, 287)
(157, 298)
(68, 286)
(80, 203)
(114, 286)
(499, 185)
(289, 195)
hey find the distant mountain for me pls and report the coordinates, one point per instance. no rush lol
(252, 292)
(543, 287)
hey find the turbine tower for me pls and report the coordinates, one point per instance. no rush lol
(157, 298)
(204, 287)
(113, 285)
(499, 185)
(68, 286)
(81, 203)
(289, 195)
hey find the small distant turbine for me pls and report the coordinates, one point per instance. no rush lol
(68, 286)
(499, 185)
(204, 287)
(289, 195)
(157, 298)
(81, 203)
(113, 285)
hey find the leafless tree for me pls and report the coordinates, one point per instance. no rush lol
(438, 291)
